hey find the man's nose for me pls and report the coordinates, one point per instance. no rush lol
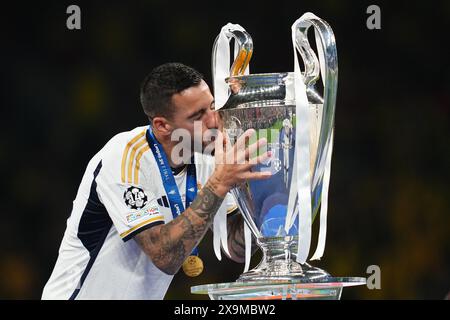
(212, 119)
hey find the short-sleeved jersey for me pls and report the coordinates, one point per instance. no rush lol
(120, 195)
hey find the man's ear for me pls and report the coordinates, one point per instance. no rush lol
(162, 126)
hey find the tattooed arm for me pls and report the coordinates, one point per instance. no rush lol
(236, 240)
(170, 244)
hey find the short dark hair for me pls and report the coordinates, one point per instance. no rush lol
(162, 83)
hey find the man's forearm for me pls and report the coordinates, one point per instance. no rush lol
(169, 245)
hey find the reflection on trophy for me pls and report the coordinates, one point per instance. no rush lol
(286, 134)
(268, 102)
(234, 130)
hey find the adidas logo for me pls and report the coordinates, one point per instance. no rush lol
(163, 202)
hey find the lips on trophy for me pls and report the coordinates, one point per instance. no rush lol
(269, 103)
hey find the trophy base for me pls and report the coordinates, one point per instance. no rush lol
(282, 270)
(279, 276)
(279, 263)
(329, 288)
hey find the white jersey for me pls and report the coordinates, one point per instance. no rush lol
(121, 194)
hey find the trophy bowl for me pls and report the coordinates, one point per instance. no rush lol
(266, 103)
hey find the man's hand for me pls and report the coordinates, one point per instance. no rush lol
(234, 163)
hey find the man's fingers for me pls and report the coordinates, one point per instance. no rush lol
(256, 175)
(226, 141)
(239, 148)
(246, 135)
(246, 168)
(262, 158)
(219, 147)
(253, 149)
(222, 144)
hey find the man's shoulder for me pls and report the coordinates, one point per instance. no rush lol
(118, 151)
(123, 141)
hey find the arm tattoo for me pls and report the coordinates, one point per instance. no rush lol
(169, 245)
(206, 204)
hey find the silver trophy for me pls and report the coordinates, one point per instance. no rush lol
(266, 103)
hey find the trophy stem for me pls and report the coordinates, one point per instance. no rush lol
(279, 263)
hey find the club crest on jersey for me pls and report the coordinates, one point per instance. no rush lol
(135, 198)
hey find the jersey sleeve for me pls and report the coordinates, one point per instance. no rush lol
(133, 208)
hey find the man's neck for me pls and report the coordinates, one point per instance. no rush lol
(168, 146)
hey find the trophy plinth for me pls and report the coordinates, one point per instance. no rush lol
(329, 288)
(279, 277)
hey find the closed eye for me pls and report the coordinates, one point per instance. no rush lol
(198, 115)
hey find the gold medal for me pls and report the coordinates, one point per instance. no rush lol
(193, 266)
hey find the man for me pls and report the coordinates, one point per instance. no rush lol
(125, 238)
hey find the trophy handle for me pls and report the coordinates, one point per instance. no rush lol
(245, 51)
(328, 68)
(312, 66)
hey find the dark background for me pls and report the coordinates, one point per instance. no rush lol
(66, 93)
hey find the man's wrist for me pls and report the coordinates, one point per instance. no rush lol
(218, 186)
